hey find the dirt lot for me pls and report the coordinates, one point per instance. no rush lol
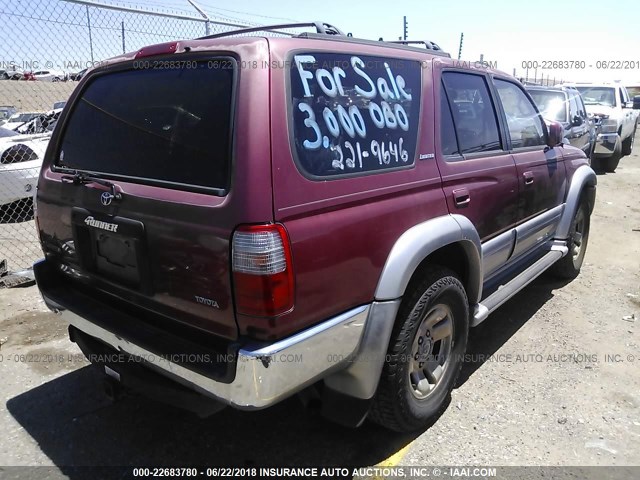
(34, 96)
(552, 379)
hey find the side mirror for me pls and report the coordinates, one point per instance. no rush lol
(636, 102)
(577, 121)
(556, 134)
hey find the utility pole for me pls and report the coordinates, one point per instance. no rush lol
(124, 49)
(90, 39)
(460, 47)
(207, 23)
(405, 28)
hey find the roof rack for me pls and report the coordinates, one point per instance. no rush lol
(325, 31)
(322, 28)
(427, 44)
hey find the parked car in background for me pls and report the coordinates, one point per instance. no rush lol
(619, 119)
(333, 227)
(42, 123)
(20, 161)
(11, 73)
(633, 89)
(7, 111)
(49, 76)
(565, 105)
(18, 119)
(77, 76)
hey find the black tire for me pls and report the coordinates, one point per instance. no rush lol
(627, 145)
(397, 405)
(609, 164)
(591, 154)
(568, 267)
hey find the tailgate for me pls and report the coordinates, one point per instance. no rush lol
(137, 198)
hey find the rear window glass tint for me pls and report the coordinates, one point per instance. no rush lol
(169, 125)
(354, 114)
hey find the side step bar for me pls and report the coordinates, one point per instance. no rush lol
(505, 292)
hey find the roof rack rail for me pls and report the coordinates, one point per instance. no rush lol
(427, 44)
(321, 28)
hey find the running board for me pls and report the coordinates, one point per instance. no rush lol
(505, 292)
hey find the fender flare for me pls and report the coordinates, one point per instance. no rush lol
(360, 379)
(584, 176)
(419, 242)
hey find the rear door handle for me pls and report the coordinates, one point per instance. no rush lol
(461, 197)
(528, 178)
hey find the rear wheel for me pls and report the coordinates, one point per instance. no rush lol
(569, 266)
(425, 353)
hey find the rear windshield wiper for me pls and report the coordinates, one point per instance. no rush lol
(79, 178)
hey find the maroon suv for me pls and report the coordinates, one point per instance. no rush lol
(235, 219)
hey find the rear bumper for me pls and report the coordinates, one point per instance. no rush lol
(248, 376)
(607, 143)
(264, 375)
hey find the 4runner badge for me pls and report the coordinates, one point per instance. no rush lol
(92, 222)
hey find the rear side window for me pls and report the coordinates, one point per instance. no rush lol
(524, 122)
(353, 114)
(448, 140)
(170, 126)
(473, 112)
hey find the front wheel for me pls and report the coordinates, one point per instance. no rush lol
(568, 267)
(425, 353)
(627, 145)
(609, 164)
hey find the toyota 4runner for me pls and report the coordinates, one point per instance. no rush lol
(235, 219)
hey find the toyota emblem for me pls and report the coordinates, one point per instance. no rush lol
(105, 199)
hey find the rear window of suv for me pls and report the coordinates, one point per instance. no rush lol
(353, 114)
(169, 126)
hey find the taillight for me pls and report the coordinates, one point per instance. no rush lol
(262, 270)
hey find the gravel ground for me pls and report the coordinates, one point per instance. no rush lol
(34, 96)
(552, 379)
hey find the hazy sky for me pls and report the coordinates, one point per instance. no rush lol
(508, 32)
(505, 31)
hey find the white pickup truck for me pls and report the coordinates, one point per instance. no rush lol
(619, 119)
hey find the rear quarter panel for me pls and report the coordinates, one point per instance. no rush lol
(342, 230)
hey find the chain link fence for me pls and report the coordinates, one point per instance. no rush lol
(46, 48)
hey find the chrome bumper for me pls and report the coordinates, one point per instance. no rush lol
(606, 144)
(264, 375)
